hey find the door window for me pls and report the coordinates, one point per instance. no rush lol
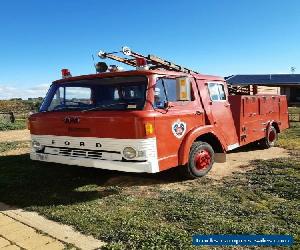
(165, 91)
(160, 98)
(216, 91)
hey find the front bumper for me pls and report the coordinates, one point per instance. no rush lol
(137, 167)
(105, 153)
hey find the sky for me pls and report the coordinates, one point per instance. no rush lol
(219, 37)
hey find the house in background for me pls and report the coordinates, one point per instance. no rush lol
(284, 84)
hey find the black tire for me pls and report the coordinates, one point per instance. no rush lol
(193, 169)
(270, 139)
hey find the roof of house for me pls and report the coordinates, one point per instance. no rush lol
(270, 79)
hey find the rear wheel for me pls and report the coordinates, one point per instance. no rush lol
(270, 139)
(200, 162)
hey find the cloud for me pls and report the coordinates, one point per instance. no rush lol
(8, 92)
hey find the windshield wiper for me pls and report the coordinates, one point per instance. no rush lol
(100, 107)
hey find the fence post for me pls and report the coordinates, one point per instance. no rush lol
(12, 117)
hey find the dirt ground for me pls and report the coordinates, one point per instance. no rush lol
(237, 161)
(14, 135)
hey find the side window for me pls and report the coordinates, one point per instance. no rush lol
(216, 92)
(213, 91)
(222, 92)
(166, 89)
(159, 94)
(171, 89)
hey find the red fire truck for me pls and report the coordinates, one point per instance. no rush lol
(158, 116)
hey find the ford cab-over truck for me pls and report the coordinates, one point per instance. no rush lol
(155, 117)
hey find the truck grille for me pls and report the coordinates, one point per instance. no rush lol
(82, 153)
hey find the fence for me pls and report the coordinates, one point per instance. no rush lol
(294, 117)
(7, 117)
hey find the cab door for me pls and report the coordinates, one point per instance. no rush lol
(173, 122)
(221, 113)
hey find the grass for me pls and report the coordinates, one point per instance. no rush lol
(132, 211)
(18, 124)
(290, 138)
(6, 146)
(294, 109)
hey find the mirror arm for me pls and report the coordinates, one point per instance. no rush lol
(165, 91)
(168, 105)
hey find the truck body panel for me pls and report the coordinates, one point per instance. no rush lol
(253, 114)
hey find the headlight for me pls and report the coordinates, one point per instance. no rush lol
(129, 153)
(37, 146)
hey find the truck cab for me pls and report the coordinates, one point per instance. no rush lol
(143, 120)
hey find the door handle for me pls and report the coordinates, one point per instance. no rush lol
(199, 112)
(227, 105)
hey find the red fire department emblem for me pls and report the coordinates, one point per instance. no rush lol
(179, 128)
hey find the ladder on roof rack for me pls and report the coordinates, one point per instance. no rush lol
(154, 61)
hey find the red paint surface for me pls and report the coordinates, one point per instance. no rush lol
(253, 115)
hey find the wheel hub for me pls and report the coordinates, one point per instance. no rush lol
(272, 136)
(202, 160)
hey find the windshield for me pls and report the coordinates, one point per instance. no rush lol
(116, 93)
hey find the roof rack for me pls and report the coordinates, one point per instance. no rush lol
(153, 61)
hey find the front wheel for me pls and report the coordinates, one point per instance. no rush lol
(270, 139)
(200, 162)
